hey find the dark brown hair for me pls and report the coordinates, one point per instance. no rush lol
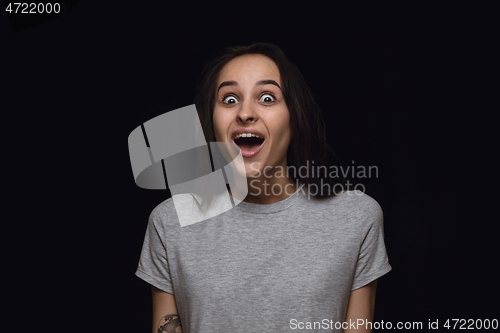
(308, 136)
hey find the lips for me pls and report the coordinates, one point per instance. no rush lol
(249, 141)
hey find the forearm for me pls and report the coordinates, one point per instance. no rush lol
(169, 323)
(361, 307)
(165, 315)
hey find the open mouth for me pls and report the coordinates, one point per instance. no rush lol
(249, 146)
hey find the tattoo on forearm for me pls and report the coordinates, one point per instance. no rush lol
(170, 324)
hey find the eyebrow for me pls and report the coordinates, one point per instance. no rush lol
(259, 83)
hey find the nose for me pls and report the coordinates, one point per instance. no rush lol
(246, 114)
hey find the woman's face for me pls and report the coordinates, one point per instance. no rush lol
(249, 100)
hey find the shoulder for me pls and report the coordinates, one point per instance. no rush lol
(364, 211)
(361, 204)
(163, 209)
(187, 208)
(354, 207)
(165, 212)
(348, 201)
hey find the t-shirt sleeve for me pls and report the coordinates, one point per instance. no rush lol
(153, 264)
(372, 259)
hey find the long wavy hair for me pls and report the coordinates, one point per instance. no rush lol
(308, 135)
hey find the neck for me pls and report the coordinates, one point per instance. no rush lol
(265, 190)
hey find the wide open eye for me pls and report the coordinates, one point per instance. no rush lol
(230, 99)
(267, 98)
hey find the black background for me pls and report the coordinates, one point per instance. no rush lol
(402, 87)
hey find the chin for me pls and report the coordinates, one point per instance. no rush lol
(253, 169)
(252, 175)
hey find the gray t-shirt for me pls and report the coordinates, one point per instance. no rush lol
(281, 267)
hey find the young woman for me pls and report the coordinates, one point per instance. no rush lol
(300, 251)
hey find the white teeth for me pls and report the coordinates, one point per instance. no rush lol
(246, 135)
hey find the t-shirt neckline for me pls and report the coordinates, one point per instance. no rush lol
(270, 208)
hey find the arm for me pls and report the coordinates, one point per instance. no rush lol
(361, 306)
(165, 316)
